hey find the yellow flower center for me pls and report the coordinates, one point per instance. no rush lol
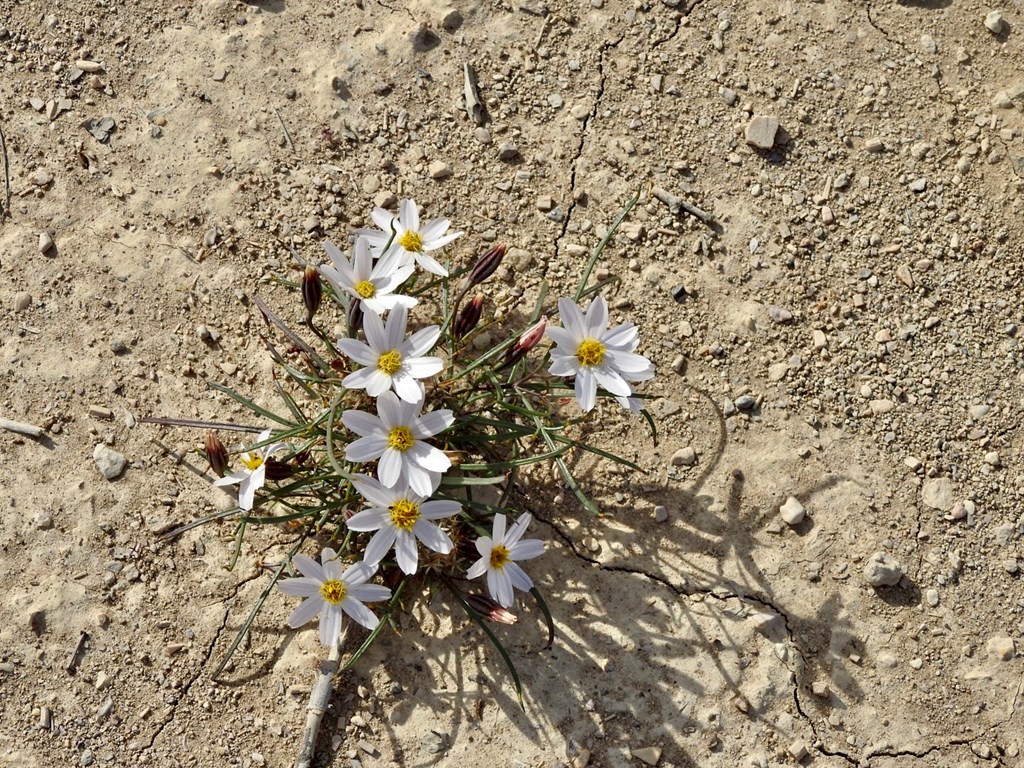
(499, 557)
(333, 592)
(404, 514)
(411, 241)
(590, 352)
(365, 288)
(252, 460)
(390, 362)
(400, 438)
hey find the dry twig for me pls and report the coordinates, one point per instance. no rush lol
(318, 700)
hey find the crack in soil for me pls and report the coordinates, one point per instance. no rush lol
(207, 656)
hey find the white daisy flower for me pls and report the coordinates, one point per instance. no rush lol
(329, 593)
(415, 241)
(391, 360)
(373, 284)
(400, 517)
(395, 436)
(596, 356)
(254, 475)
(498, 553)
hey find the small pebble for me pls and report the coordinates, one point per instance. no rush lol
(45, 243)
(1001, 648)
(779, 315)
(798, 751)
(22, 301)
(109, 462)
(761, 131)
(439, 170)
(684, 457)
(660, 513)
(995, 22)
(792, 512)
(507, 151)
(648, 755)
(746, 402)
(882, 570)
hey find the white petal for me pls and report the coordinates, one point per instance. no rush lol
(366, 448)
(438, 509)
(572, 319)
(389, 468)
(363, 423)
(586, 389)
(434, 229)
(432, 244)
(515, 533)
(358, 573)
(500, 587)
(363, 378)
(421, 342)
(234, 477)
(374, 492)
(432, 423)
(362, 259)
(409, 215)
(611, 381)
(300, 587)
(428, 457)
(390, 411)
(368, 520)
(563, 339)
(306, 612)
(596, 319)
(358, 351)
(432, 537)
(377, 382)
(332, 566)
(369, 593)
(564, 366)
(518, 577)
(431, 265)
(407, 387)
(479, 568)
(382, 218)
(527, 549)
(360, 613)
(309, 568)
(622, 336)
(376, 335)
(380, 545)
(498, 528)
(405, 551)
(395, 329)
(424, 367)
(627, 362)
(330, 626)
(420, 480)
(484, 545)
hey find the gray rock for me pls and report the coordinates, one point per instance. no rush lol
(780, 315)
(109, 462)
(684, 457)
(937, 493)
(761, 131)
(882, 570)
(995, 22)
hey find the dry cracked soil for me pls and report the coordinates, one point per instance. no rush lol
(826, 266)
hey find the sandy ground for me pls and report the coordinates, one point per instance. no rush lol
(845, 331)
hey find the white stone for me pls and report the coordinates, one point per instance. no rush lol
(761, 131)
(882, 570)
(109, 462)
(792, 512)
(995, 22)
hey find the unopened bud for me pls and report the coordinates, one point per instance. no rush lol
(487, 264)
(278, 470)
(355, 317)
(530, 339)
(489, 609)
(216, 453)
(312, 292)
(468, 317)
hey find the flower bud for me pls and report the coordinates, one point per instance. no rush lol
(530, 339)
(278, 470)
(216, 453)
(487, 264)
(491, 610)
(354, 317)
(312, 292)
(468, 317)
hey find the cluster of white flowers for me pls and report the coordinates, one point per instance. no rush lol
(399, 508)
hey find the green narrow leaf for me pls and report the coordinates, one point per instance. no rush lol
(585, 276)
(255, 610)
(478, 620)
(547, 616)
(376, 630)
(650, 422)
(248, 403)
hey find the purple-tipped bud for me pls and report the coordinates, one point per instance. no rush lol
(468, 317)
(278, 470)
(355, 317)
(530, 339)
(487, 264)
(491, 610)
(216, 453)
(312, 292)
